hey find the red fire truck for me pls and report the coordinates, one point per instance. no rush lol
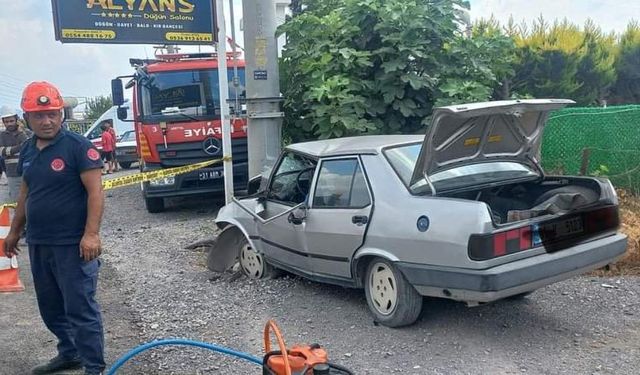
(176, 110)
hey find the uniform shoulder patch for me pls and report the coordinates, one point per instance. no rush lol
(93, 154)
(57, 164)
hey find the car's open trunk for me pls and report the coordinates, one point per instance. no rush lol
(520, 201)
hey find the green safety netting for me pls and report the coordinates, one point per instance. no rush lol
(612, 136)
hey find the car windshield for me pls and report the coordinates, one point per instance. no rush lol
(292, 180)
(185, 94)
(128, 136)
(403, 159)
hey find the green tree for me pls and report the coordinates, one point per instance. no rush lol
(627, 87)
(379, 66)
(563, 61)
(596, 70)
(96, 106)
(480, 67)
(548, 60)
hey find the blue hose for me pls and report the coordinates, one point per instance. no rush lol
(220, 349)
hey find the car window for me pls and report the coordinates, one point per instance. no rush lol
(341, 184)
(292, 181)
(128, 136)
(404, 158)
(96, 132)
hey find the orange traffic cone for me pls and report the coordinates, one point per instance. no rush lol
(9, 272)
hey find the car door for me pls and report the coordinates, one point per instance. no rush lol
(289, 186)
(338, 215)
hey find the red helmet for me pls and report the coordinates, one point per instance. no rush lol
(41, 96)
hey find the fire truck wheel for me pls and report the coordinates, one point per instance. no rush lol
(154, 205)
(392, 300)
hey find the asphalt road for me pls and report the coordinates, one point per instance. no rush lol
(151, 287)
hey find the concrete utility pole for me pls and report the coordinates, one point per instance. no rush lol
(264, 131)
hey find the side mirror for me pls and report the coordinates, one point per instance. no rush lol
(122, 113)
(297, 217)
(254, 185)
(117, 92)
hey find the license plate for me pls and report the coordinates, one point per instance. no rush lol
(210, 175)
(557, 230)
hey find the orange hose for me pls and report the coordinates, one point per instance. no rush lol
(271, 326)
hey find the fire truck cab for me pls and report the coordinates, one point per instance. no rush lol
(176, 111)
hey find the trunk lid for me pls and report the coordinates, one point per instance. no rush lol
(475, 133)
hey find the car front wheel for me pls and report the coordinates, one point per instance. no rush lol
(392, 300)
(253, 264)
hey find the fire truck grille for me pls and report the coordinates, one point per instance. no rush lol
(177, 154)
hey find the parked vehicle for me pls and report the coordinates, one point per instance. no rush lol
(126, 149)
(176, 111)
(465, 213)
(121, 126)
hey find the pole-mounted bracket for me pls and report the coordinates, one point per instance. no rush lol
(266, 115)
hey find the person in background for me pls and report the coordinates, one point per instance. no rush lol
(115, 141)
(108, 152)
(11, 141)
(2, 166)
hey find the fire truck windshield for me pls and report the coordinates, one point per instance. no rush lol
(192, 94)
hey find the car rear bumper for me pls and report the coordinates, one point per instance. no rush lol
(126, 155)
(516, 277)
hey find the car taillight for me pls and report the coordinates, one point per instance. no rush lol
(552, 234)
(145, 151)
(482, 247)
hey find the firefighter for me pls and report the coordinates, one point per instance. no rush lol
(11, 140)
(62, 184)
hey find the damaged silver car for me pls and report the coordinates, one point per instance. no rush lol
(465, 213)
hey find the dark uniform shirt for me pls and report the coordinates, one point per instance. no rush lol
(56, 205)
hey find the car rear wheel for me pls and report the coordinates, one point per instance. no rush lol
(253, 264)
(125, 164)
(392, 300)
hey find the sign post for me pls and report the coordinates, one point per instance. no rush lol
(223, 78)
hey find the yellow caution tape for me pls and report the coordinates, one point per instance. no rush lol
(137, 178)
(154, 175)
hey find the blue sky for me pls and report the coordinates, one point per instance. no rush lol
(29, 52)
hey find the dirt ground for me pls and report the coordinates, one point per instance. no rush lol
(630, 215)
(152, 287)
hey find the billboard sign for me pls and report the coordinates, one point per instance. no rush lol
(134, 21)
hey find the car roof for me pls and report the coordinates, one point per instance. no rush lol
(368, 144)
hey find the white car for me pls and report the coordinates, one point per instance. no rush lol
(465, 213)
(126, 149)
